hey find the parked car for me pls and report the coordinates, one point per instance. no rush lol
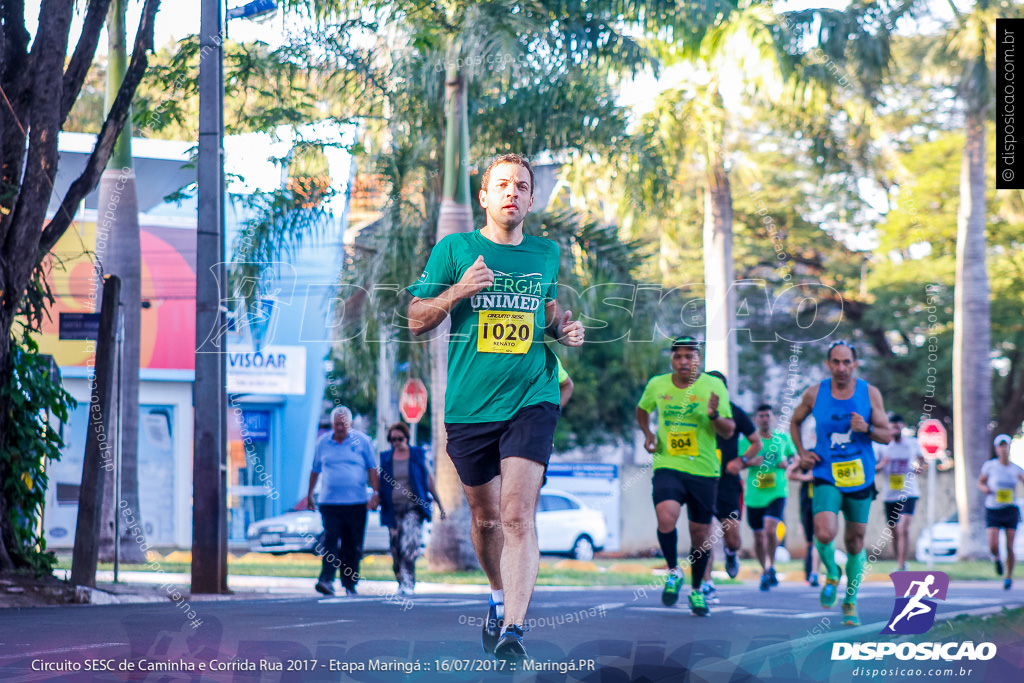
(947, 540)
(566, 526)
(299, 530)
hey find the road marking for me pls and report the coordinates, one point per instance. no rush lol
(306, 625)
(715, 609)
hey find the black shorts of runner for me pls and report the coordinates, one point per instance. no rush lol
(1002, 518)
(729, 502)
(477, 448)
(755, 516)
(696, 493)
(894, 509)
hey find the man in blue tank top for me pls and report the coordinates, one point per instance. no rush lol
(848, 415)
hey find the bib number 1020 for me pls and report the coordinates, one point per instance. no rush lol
(504, 332)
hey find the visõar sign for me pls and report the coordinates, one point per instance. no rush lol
(271, 370)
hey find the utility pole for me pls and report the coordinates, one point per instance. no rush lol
(209, 395)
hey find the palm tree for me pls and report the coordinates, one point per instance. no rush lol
(771, 57)
(969, 39)
(121, 255)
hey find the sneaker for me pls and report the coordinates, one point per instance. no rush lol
(710, 592)
(673, 582)
(850, 617)
(324, 587)
(698, 605)
(999, 567)
(732, 564)
(813, 580)
(1007, 584)
(406, 591)
(766, 582)
(350, 591)
(772, 579)
(510, 646)
(491, 631)
(829, 592)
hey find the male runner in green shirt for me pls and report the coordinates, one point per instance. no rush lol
(501, 405)
(692, 409)
(766, 490)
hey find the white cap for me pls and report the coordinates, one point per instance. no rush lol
(1002, 438)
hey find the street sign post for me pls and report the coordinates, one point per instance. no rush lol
(931, 436)
(412, 403)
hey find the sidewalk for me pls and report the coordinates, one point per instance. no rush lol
(136, 587)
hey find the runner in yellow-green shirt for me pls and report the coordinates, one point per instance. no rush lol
(766, 490)
(692, 409)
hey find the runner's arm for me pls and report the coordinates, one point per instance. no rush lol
(881, 430)
(803, 409)
(756, 444)
(561, 326)
(426, 314)
(643, 420)
(883, 461)
(983, 484)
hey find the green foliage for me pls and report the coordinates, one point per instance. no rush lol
(28, 442)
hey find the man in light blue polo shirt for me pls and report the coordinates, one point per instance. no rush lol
(346, 460)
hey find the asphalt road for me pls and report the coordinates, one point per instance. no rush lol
(588, 634)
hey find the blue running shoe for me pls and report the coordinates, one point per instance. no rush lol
(491, 631)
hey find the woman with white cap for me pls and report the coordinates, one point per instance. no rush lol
(998, 481)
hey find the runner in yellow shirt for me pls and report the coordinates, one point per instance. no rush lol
(693, 408)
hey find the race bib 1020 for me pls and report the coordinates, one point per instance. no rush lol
(504, 332)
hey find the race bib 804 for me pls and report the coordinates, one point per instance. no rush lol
(504, 332)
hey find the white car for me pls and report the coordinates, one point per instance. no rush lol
(299, 531)
(947, 540)
(566, 526)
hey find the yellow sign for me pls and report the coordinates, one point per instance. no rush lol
(765, 480)
(1004, 496)
(896, 481)
(848, 473)
(504, 332)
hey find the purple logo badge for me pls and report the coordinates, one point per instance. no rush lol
(914, 611)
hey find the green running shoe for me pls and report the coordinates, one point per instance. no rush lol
(698, 605)
(829, 592)
(850, 617)
(673, 582)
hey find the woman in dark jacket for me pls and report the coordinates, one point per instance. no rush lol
(406, 493)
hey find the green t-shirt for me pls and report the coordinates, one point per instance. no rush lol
(497, 361)
(686, 437)
(767, 481)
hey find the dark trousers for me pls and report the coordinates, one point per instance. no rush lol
(344, 529)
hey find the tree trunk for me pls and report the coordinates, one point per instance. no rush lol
(451, 548)
(6, 533)
(120, 254)
(972, 374)
(719, 295)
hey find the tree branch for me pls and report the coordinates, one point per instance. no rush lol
(80, 62)
(46, 69)
(112, 127)
(15, 40)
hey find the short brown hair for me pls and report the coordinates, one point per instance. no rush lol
(400, 426)
(517, 159)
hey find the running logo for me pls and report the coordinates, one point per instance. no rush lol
(914, 611)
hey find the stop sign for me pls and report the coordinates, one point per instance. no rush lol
(413, 401)
(932, 437)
